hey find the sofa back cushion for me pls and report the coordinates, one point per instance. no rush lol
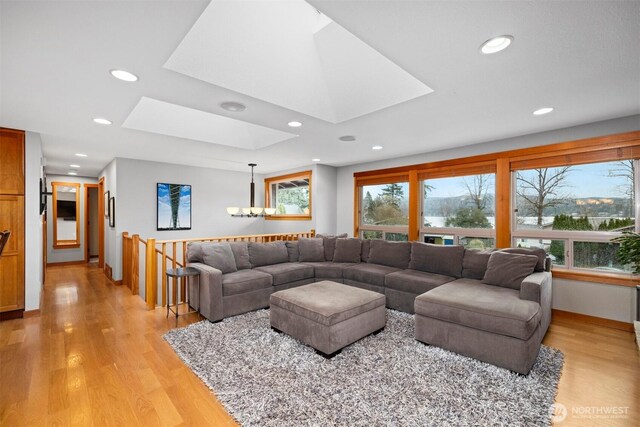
(474, 263)
(539, 252)
(220, 256)
(311, 250)
(508, 270)
(392, 254)
(292, 250)
(329, 243)
(347, 250)
(241, 254)
(438, 259)
(366, 247)
(267, 253)
(194, 252)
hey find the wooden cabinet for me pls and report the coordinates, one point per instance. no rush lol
(12, 218)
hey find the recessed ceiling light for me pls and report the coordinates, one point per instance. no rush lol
(377, 147)
(102, 121)
(81, 155)
(315, 160)
(74, 166)
(235, 107)
(295, 124)
(542, 111)
(72, 172)
(496, 44)
(347, 138)
(124, 75)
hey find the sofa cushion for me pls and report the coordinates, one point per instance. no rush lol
(392, 254)
(474, 263)
(243, 281)
(267, 253)
(539, 252)
(347, 250)
(241, 254)
(471, 303)
(439, 259)
(194, 252)
(508, 270)
(366, 247)
(328, 270)
(414, 281)
(311, 250)
(372, 274)
(292, 250)
(329, 243)
(287, 272)
(220, 256)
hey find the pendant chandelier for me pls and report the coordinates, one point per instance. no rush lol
(252, 211)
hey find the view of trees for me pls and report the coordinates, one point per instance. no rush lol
(390, 207)
(292, 198)
(541, 189)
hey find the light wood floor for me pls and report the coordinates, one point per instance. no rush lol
(96, 357)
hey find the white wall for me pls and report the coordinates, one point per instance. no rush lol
(600, 300)
(212, 190)
(71, 254)
(33, 221)
(323, 202)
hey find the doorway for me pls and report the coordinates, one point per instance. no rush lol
(92, 223)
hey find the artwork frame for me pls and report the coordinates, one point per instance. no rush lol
(173, 206)
(106, 195)
(112, 212)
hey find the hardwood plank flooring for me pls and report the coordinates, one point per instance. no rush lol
(95, 356)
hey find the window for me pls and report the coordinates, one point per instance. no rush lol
(289, 195)
(459, 210)
(574, 211)
(384, 211)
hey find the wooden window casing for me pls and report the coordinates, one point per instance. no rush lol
(268, 182)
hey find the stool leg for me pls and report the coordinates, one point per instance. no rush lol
(176, 301)
(168, 300)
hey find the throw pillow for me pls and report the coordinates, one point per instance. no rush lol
(508, 270)
(539, 252)
(347, 250)
(329, 242)
(292, 250)
(267, 253)
(311, 250)
(194, 252)
(241, 254)
(220, 256)
(366, 246)
(438, 259)
(392, 254)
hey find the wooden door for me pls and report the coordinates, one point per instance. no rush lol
(12, 219)
(12, 259)
(11, 162)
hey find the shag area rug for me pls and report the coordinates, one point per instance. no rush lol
(265, 378)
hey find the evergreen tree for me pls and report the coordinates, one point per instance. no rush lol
(469, 218)
(393, 194)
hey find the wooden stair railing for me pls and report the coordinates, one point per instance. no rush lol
(169, 259)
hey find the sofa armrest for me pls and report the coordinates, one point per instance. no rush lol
(210, 297)
(537, 287)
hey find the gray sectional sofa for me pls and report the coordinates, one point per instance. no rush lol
(494, 306)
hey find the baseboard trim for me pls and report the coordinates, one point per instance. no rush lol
(117, 282)
(32, 313)
(13, 314)
(593, 320)
(55, 264)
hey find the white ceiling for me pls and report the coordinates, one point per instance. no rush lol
(294, 57)
(583, 58)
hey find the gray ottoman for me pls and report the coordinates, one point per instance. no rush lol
(326, 315)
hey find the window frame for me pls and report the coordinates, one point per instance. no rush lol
(268, 182)
(458, 232)
(571, 236)
(361, 227)
(597, 149)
